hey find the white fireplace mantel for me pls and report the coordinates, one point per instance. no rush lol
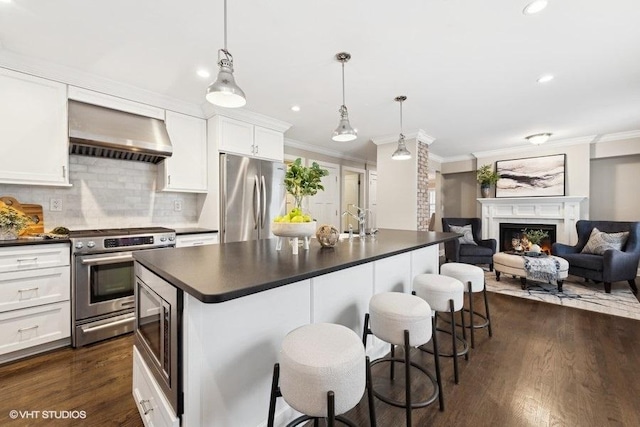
(564, 212)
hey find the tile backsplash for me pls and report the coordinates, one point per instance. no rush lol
(109, 193)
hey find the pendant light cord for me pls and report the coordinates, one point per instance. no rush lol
(343, 103)
(225, 25)
(400, 117)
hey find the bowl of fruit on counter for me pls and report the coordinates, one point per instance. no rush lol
(293, 224)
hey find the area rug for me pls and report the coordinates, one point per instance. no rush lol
(575, 293)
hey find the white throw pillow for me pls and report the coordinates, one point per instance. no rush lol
(599, 241)
(467, 238)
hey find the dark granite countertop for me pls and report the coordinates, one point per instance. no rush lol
(26, 242)
(218, 273)
(193, 230)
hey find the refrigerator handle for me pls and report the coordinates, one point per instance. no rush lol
(264, 200)
(256, 202)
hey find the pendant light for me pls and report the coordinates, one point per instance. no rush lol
(344, 131)
(224, 91)
(401, 153)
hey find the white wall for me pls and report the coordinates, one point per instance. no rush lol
(108, 193)
(397, 188)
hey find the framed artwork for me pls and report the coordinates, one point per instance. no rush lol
(532, 176)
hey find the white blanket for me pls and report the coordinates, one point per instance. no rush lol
(543, 269)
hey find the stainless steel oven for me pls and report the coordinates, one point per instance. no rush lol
(103, 279)
(158, 332)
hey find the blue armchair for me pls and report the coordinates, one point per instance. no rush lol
(613, 265)
(480, 253)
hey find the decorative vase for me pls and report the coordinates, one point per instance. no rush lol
(8, 234)
(484, 190)
(535, 248)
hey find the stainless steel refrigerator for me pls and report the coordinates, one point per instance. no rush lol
(252, 193)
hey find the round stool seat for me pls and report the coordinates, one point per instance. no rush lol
(391, 313)
(437, 290)
(319, 358)
(465, 273)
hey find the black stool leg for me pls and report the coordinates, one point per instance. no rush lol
(455, 344)
(470, 294)
(464, 331)
(331, 409)
(436, 359)
(486, 308)
(316, 422)
(372, 408)
(275, 393)
(407, 376)
(393, 363)
(366, 330)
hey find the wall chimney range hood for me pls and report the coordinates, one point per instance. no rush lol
(104, 132)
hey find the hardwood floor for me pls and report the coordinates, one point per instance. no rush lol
(546, 365)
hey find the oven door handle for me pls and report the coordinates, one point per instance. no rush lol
(107, 260)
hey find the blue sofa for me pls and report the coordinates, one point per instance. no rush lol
(613, 265)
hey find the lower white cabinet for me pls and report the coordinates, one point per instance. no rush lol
(197, 239)
(35, 309)
(154, 408)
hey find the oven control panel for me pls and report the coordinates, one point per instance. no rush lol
(119, 242)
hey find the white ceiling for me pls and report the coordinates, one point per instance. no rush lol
(468, 68)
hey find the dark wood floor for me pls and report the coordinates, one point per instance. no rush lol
(546, 365)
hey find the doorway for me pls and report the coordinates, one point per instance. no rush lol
(353, 194)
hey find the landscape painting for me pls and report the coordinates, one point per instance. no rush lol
(531, 177)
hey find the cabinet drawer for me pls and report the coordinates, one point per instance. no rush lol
(196, 239)
(152, 405)
(22, 289)
(33, 257)
(20, 329)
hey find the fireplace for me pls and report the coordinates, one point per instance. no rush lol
(512, 232)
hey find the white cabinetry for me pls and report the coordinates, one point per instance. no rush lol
(186, 169)
(33, 130)
(236, 136)
(154, 408)
(196, 239)
(34, 299)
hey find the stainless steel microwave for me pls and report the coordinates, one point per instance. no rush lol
(158, 332)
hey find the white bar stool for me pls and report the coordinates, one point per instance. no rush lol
(473, 277)
(322, 373)
(403, 319)
(444, 294)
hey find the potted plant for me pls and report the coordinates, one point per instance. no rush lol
(535, 237)
(486, 177)
(12, 222)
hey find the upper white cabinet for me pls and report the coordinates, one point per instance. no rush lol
(33, 130)
(236, 136)
(186, 169)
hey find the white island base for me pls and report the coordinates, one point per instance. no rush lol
(230, 347)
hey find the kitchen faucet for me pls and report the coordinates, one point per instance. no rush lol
(361, 217)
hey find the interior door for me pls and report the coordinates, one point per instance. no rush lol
(325, 205)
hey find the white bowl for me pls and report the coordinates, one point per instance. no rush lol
(293, 229)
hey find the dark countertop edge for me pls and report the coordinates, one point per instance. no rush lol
(231, 295)
(27, 242)
(193, 230)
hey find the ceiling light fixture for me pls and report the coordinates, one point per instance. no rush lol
(344, 132)
(545, 78)
(534, 7)
(401, 152)
(224, 91)
(295, 108)
(538, 138)
(203, 73)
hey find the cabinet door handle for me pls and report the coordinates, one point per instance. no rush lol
(257, 149)
(21, 330)
(64, 171)
(169, 179)
(33, 260)
(145, 410)
(21, 291)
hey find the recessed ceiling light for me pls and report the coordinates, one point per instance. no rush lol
(534, 7)
(5, 1)
(203, 73)
(545, 78)
(295, 108)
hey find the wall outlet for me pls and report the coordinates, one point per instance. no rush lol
(55, 205)
(177, 205)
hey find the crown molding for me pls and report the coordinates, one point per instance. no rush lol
(288, 142)
(460, 158)
(618, 136)
(528, 146)
(419, 135)
(241, 114)
(436, 158)
(75, 77)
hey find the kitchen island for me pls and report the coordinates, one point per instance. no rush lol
(241, 299)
